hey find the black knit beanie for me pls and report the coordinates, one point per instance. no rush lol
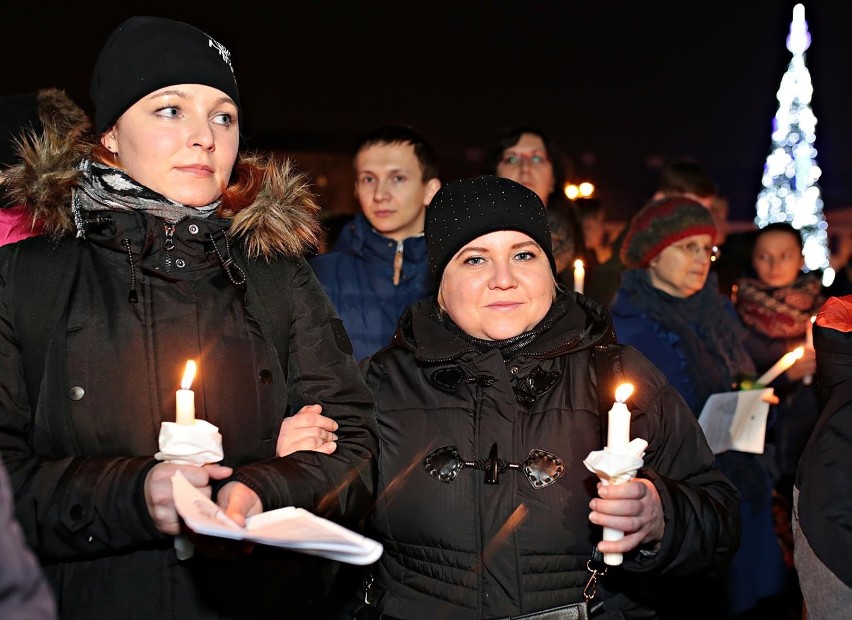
(145, 54)
(661, 223)
(466, 209)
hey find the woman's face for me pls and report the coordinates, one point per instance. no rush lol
(181, 141)
(497, 286)
(777, 258)
(528, 163)
(681, 268)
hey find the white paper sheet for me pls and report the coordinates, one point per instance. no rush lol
(736, 420)
(291, 528)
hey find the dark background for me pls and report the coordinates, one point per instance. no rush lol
(621, 85)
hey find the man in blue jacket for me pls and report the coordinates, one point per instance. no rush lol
(379, 266)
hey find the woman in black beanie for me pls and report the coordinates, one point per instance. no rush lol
(488, 403)
(165, 243)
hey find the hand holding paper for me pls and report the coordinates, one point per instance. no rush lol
(290, 528)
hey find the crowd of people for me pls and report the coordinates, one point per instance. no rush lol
(430, 378)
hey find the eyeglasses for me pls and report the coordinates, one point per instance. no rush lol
(695, 250)
(515, 159)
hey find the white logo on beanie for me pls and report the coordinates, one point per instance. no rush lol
(223, 51)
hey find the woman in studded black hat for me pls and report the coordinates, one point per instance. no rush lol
(488, 405)
(164, 242)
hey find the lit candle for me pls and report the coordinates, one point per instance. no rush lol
(809, 334)
(809, 343)
(618, 429)
(579, 276)
(787, 360)
(185, 396)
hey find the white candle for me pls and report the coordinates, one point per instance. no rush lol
(618, 429)
(809, 334)
(185, 413)
(617, 438)
(787, 360)
(809, 343)
(579, 276)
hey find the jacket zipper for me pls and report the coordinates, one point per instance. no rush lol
(169, 245)
(397, 263)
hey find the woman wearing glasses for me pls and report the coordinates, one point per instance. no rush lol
(528, 156)
(669, 307)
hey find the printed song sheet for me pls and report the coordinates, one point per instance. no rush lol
(736, 420)
(292, 528)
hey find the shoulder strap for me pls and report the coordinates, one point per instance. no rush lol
(268, 292)
(607, 358)
(39, 288)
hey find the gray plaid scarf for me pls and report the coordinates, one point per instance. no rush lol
(104, 188)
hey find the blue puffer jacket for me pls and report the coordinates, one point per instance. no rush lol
(358, 277)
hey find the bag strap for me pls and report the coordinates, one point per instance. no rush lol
(268, 292)
(606, 358)
(39, 289)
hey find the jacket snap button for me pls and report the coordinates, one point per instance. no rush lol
(76, 393)
(513, 370)
(193, 229)
(265, 377)
(77, 512)
(180, 263)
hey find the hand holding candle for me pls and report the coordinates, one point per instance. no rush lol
(619, 461)
(617, 440)
(787, 360)
(189, 441)
(579, 276)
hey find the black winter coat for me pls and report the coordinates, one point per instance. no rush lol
(465, 549)
(78, 457)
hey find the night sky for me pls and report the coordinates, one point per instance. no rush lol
(622, 86)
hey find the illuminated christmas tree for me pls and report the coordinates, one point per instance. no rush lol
(790, 191)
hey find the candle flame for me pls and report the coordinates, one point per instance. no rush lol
(188, 375)
(623, 392)
(813, 319)
(578, 264)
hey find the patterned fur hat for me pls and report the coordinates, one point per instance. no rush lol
(661, 223)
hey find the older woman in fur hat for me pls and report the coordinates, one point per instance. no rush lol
(669, 307)
(488, 403)
(168, 244)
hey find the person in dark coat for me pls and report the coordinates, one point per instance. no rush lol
(669, 307)
(24, 592)
(164, 234)
(822, 495)
(776, 304)
(488, 405)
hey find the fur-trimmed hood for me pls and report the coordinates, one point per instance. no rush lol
(281, 219)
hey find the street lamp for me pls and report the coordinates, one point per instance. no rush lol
(581, 190)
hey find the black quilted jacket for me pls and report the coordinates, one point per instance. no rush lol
(458, 547)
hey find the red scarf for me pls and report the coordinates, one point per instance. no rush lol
(783, 312)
